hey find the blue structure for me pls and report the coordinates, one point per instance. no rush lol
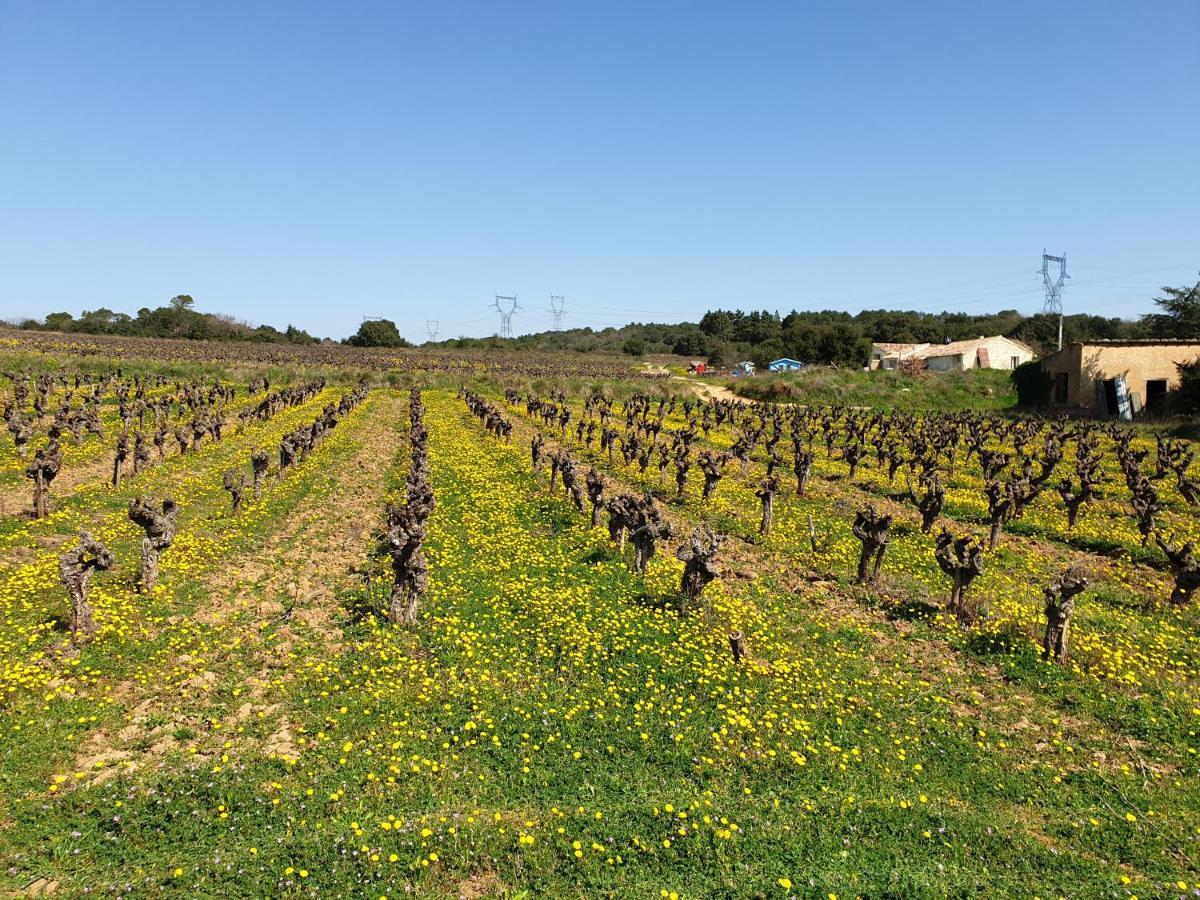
(785, 365)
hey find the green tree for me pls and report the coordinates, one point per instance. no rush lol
(691, 343)
(265, 334)
(60, 321)
(180, 302)
(1041, 332)
(843, 345)
(766, 353)
(296, 335)
(634, 347)
(1180, 316)
(1186, 398)
(102, 321)
(718, 323)
(719, 354)
(377, 333)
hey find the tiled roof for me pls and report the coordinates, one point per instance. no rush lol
(885, 346)
(1142, 342)
(956, 348)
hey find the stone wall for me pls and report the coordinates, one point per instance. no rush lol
(1086, 364)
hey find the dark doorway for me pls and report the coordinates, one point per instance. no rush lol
(1060, 387)
(1110, 396)
(1156, 393)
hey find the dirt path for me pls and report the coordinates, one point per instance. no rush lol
(290, 585)
(708, 391)
(303, 562)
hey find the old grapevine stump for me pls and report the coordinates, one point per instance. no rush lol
(1060, 606)
(159, 526)
(871, 528)
(235, 482)
(961, 559)
(260, 462)
(767, 489)
(737, 646)
(646, 528)
(698, 556)
(712, 466)
(595, 492)
(1184, 566)
(406, 533)
(43, 469)
(76, 568)
(120, 454)
(929, 504)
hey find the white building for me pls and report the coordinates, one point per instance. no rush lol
(996, 352)
(889, 356)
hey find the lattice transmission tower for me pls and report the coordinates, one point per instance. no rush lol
(506, 314)
(558, 309)
(431, 328)
(1054, 288)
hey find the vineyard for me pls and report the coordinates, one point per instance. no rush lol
(372, 625)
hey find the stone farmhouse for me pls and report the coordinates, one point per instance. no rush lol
(996, 352)
(1119, 377)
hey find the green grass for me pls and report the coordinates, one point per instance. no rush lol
(548, 696)
(980, 390)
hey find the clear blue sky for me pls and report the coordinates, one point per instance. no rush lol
(316, 162)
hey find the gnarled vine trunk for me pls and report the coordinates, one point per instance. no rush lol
(1060, 606)
(159, 526)
(76, 568)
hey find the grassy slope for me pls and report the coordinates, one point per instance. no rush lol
(980, 389)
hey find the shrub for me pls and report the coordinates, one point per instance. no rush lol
(1186, 397)
(1033, 384)
(377, 333)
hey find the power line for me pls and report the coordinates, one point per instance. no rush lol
(975, 293)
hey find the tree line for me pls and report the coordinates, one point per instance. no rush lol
(178, 319)
(841, 338)
(721, 336)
